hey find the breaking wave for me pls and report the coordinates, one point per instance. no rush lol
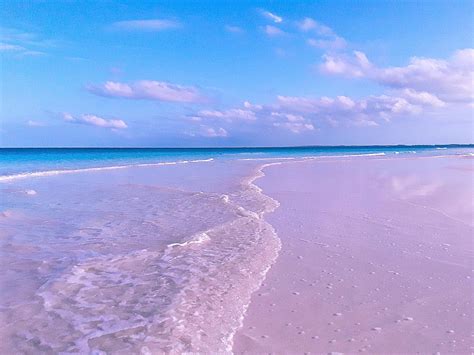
(12, 177)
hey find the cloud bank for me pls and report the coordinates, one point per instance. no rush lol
(448, 80)
(423, 87)
(207, 131)
(148, 90)
(22, 44)
(93, 120)
(310, 25)
(273, 31)
(322, 36)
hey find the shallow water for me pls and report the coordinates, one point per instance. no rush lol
(120, 262)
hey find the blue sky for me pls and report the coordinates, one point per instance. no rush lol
(235, 73)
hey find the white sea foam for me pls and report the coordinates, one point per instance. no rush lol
(198, 238)
(356, 155)
(314, 157)
(259, 159)
(12, 177)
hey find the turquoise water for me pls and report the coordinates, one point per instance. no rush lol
(17, 161)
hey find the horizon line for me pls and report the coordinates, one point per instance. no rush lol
(258, 147)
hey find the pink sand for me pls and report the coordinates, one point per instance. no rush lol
(376, 256)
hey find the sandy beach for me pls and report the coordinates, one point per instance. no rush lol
(376, 257)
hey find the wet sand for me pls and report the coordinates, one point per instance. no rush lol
(376, 257)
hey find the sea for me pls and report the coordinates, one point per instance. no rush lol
(140, 250)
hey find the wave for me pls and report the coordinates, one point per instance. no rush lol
(6, 178)
(259, 159)
(314, 157)
(354, 155)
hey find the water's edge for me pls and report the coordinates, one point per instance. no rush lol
(259, 173)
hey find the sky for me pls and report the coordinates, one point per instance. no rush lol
(235, 73)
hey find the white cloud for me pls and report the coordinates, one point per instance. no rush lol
(214, 132)
(310, 25)
(251, 106)
(18, 50)
(298, 114)
(448, 80)
(422, 88)
(25, 39)
(322, 36)
(269, 115)
(229, 115)
(361, 122)
(329, 44)
(315, 105)
(292, 122)
(206, 131)
(148, 90)
(271, 16)
(290, 117)
(382, 107)
(451, 79)
(295, 127)
(93, 120)
(22, 44)
(273, 31)
(423, 98)
(147, 25)
(33, 53)
(6, 47)
(356, 66)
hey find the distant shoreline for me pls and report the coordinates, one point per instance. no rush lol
(448, 145)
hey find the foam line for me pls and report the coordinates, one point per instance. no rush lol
(6, 178)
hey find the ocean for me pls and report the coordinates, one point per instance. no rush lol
(139, 251)
(15, 161)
